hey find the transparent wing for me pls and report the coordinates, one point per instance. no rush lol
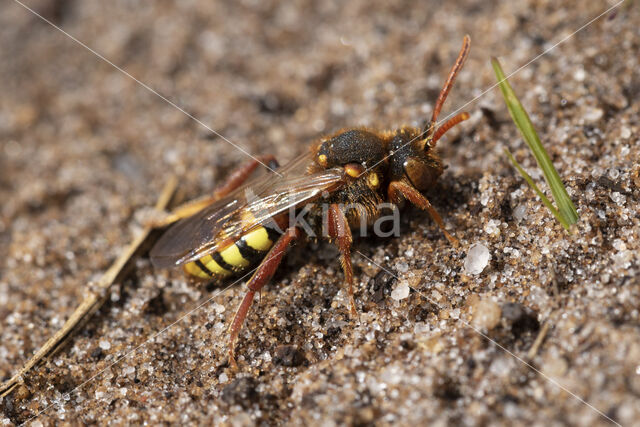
(255, 203)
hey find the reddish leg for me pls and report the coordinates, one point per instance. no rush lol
(399, 188)
(260, 278)
(238, 177)
(339, 230)
(242, 173)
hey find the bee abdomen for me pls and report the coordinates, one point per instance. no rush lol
(247, 251)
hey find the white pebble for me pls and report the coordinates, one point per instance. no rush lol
(618, 198)
(554, 366)
(614, 173)
(520, 212)
(625, 132)
(401, 291)
(477, 258)
(218, 308)
(104, 344)
(402, 267)
(486, 314)
(492, 227)
(619, 245)
(592, 114)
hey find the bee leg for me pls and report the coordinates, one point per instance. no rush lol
(260, 278)
(241, 174)
(400, 188)
(339, 231)
(237, 177)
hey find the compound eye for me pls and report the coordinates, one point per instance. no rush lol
(419, 173)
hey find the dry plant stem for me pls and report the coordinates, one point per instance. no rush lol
(97, 295)
(538, 342)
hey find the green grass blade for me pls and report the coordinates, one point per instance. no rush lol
(540, 194)
(521, 119)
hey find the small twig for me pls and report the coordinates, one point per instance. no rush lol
(536, 344)
(97, 295)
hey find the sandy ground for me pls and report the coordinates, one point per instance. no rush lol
(85, 150)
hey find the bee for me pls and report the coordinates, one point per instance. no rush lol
(249, 222)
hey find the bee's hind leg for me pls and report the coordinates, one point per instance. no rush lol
(260, 278)
(240, 175)
(340, 232)
(237, 177)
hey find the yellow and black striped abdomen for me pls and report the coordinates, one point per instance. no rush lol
(249, 250)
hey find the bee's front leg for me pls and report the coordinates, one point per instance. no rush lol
(260, 278)
(398, 190)
(237, 177)
(340, 232)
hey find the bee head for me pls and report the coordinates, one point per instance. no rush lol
(414, 160)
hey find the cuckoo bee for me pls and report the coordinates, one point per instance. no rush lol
(247, 222)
